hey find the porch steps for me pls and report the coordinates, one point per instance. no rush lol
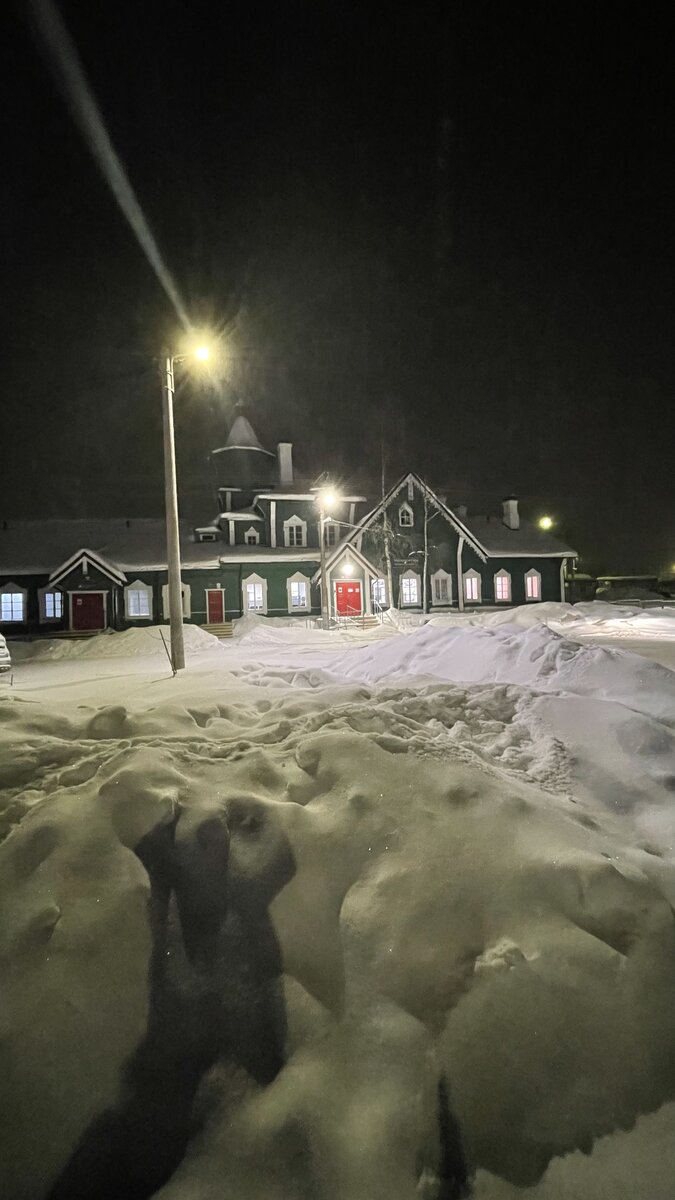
(367, 621)
(221, 630)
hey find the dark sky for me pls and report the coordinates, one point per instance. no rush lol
(448, 228)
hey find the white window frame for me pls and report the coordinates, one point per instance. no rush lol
(472, 575)
(252, 537)
(294, 521)
(335, 527)
(298, 578)
(378, 591)
(43, 592)
(186, 591)
(13, 589)
(438, 575)
(505, 575)
(406, 508)
(533, 574)
(409, 576)
(138, 585)
(244, 595)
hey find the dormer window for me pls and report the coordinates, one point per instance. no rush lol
(251, 537)
(295, 532)
(207, 537)
(406, 517)
(330, 533)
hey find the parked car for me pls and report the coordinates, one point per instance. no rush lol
(5, 660)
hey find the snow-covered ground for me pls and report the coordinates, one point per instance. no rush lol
(327, 915)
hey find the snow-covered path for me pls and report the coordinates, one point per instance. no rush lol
(462, 841)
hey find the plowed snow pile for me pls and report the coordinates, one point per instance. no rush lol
(320, 922)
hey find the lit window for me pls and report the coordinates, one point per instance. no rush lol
(405, 516)
(254, 597)
(138, 603)
(502, 586)
(533, 585)
(410, 589)
(472, 587)
(53, 605)
(298, 592)
(12, 606)
(379, 591)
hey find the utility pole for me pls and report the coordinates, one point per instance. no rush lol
(325, 609)
(171, 506)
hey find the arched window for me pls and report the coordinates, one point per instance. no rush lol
(410, 592)
(502, 587)
(295, 532)
(532, 585)
(254, 594)
(138, 601)
(406, 517)
(472, 587)
(297, 590)
(441, 587)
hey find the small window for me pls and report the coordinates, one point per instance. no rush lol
(207, 537)
(254, 597)
(405, 516)
(53, 605)
(330, 532)
(379, 591)
(298, 593)
(502, 586)
(138, 603)
(12, 605)
(295, 535)
(533, 585)
(251, 537)
(472, 587)
(410, 589)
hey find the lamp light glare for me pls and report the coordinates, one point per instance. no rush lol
(347, 568)
(545, 522)
(202, 353)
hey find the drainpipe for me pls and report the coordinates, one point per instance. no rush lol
(460, 579)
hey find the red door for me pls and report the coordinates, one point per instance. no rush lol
(348, 598)
(215, 606)
(88, 609)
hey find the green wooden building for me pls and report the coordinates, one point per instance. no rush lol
(259, 552)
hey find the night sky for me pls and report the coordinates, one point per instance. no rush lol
(442, 232)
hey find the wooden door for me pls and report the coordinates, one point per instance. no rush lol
(215, 606)
(88, 610)
(348, 597)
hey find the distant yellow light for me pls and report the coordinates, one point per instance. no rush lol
(545, 522)
(202, 353)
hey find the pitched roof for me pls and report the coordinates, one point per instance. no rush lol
(496, 538)
(242, 436)
(38, 547)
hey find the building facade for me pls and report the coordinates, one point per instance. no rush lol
(260, 553)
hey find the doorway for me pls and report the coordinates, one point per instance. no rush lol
(215, 606)
(348, 598)
(87, 610)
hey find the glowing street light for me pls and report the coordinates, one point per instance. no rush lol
(326, 501)
(545, 522)
(201, 353)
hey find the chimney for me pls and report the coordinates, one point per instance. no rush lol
(511, 518)
(285, 461)
(462, 512)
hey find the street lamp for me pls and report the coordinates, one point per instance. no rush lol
(171, 504)
(545, 522)
(326, 500)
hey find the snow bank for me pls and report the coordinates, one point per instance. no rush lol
(131, 643)
(508, 654)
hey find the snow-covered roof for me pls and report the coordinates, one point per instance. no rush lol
(242, 436)
(38, 547)
(269, 554)
(242, 514)
(496, 538)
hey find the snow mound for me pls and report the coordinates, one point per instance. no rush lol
(535, 656)
(130, 643)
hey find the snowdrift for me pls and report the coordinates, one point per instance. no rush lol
(404, 917)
